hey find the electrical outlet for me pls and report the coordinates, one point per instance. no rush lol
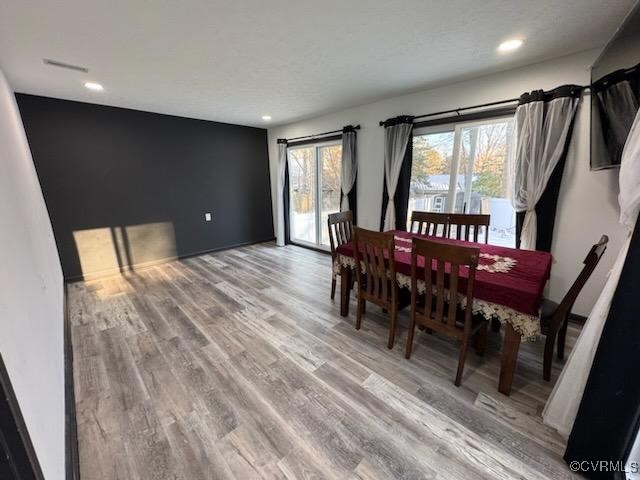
(207, 217)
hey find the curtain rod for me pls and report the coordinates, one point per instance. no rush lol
(461, 109)
(357, 127)
(458, 110)
(482, 105)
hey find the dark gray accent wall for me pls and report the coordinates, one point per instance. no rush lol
(125, 187)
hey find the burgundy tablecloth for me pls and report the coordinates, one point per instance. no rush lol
(520, 288)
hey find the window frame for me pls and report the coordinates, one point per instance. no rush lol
(456, 128)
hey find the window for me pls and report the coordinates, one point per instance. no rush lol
(314, 183)
(463, 168)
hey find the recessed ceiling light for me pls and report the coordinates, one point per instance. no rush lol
(94, 86)
(266, 118)
(510, 45)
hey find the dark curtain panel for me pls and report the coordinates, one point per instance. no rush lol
(385, 201)
(546, 207)
(609, 415)
(353, 193)
(617, 97)
(353, 203)
(404, 181)
(282, 194)
(287, 206)
(404, 184)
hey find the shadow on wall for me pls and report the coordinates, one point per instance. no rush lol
(111, 250)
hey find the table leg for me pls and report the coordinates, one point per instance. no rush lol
(345, 289)
(509, 359)
(495, 325)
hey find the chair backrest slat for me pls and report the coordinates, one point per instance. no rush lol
(453, 292)
(428, 280)
(465, 226)
(443, 263)
(439, 290)
(460, 226)
(376, 251)
(340, 229)
(429, 223)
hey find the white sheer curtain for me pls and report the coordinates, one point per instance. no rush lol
(629, 197)
(396, 139)
(633, 457)
(349, 166)
(542, 130)
(562, 406)
(280, 181)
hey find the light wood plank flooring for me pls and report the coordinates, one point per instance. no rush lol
(238, 365)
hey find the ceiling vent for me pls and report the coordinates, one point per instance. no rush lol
(68, 66)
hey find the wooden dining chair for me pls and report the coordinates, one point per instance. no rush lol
(340, 232)
(468, 226)
(429, 223)
(554, 318)
(442, 312)
(377, 284)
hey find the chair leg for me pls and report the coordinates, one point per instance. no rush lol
(361, 302)
(463, 356)
(548, 356)
(333, 288)
(412, 328)
(392, 328)
(481, 339)
(562, 336)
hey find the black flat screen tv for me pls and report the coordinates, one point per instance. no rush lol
(615, 93)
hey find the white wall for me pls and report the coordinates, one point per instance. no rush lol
(587, 206)
(31, 294)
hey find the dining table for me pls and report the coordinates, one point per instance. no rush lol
(508, 288)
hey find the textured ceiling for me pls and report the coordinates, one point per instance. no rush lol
(234, 61)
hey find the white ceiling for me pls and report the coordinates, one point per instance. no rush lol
(236, 60)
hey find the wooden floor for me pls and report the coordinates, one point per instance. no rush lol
(238, 365)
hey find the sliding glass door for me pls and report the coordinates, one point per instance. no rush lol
(463, 168)
(314, 182)
(303, 193)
